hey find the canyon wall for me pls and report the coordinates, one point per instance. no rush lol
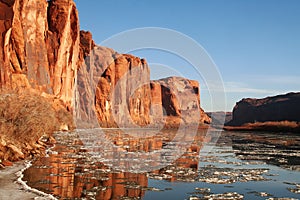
(112, 85)
(177, 100)
(277, 108)
(120, 88)
(42, 49)
(39, 46)
(43, 52)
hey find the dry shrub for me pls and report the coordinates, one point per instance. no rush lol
(25, 117)
(276, 126)
(28, 115)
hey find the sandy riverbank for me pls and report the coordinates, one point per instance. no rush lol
(10, 189)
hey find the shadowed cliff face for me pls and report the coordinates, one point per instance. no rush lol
(39, 46)
(277, 108)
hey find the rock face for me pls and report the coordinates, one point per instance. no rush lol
(178, 99)
(121, 94)
(39, 46)
(276, 108)
(120, 88)
(117, 85)
(220, 118)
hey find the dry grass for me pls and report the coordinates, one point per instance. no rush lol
(276, 126)
(273, 126)
(290, 124)
(24, 118)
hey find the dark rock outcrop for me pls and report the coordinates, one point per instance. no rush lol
(277, 108)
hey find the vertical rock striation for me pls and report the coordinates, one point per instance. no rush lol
(39, 46)
(42, 48)
(123, 92)
(63, 47)
(116, 84)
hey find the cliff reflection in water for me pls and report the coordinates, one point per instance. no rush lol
(73, 170)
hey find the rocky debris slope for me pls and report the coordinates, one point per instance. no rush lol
(277, 108)
(39, 46)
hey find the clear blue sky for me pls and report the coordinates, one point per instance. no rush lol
(254, 43)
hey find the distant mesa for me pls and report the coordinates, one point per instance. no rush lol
(276, 108)
(277, 111)
(220, 117)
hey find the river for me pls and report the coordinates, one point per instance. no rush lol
(145, 164)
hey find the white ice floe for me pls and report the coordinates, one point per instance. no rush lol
(42, 195)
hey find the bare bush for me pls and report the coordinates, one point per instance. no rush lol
(25, 117)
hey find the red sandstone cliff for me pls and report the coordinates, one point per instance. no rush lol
(39, 54)
(276, 108)
(112, 86)
(41, 50)
(178, 99)
(124, 96)
(39, 46)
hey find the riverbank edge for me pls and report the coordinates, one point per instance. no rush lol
(13, 187)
